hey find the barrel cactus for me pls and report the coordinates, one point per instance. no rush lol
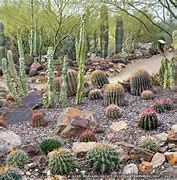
(113, 111)
(38, 119)
(140, 80)
(114, 94)
(57, 82)
(98, 78)
(163, 105)
(61, 161)
(95, 94)
(87, 136)
(147, 94)
(72, 82)
(149, 119)
(103, 158)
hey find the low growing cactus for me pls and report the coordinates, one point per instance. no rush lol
(87, 136)
(7, 173)
(61, 161)
(17, 158)
(98, 78)
(140, 80)
(95, 94)
(49, 145)
(163, 105)
(113, 111)
(103, 158)
(149, 142)
(114, 94)
(38, 119)
(147, 94)
(148, 119)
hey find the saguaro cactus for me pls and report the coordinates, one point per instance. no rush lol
(22, 73)
(2, 41)
(81, 57)
(104, 36)
(119, 35)
(64, 86)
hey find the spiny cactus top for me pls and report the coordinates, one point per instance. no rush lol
(87, 136)
(140, 80)
(147, 94)
(113, 111)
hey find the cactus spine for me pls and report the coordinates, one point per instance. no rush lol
(22, 73)
(2, 41)
(64, 86)
(119, 35)
(81, 59)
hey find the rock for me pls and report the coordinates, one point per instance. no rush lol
(123, 154)
(30, 166)
(172, 137)
(146, 167)
(117, 126)
(40, 160)
(161, 138)
(171, 157)
(125, 145)
(130, 169)
(8, 141)
(157, 160)
(36, 66)
(28, 59)
(33, 72)
(137, 154)
(80, 148)
(174, 128)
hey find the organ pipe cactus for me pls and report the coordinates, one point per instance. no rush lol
(81, 60)
(22, 73)
(64, 86)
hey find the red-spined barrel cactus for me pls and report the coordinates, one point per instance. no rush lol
(148, 119)
(147, 94)
(38, 119)
(113, 111)
(87, 136)
(163, 105)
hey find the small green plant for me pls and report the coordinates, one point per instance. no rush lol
(17, 158)
(113, 111)
(87, 136)
(147, 94)
(163, 105)
(7, 173)
(49, 145)
(61, 161)
(149, 142)
(103, 158)
(95, 94)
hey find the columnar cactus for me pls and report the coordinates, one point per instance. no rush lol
(140, 80)
(81, 59)
(95, 94)
(113, 111)
(61, 161)
(64, 86)
(22, 73)
(38, 119)
(148, 119)
(163, 105)
(103, 158)
(87, 136)
(114, 94)
(98, 78)
(2, 41)
(147, 94)
(72, 82)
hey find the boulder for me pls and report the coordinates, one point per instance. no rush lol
(117, 126)
(33, 72)
(172, 137)
(123, 154)
(171, 157)
(28, 59)
(161, 138)
(37, 66)
(146, 167)
(130, 169)
(174, 128)
(157, 160)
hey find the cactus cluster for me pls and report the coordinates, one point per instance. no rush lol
(17, 158)
(140, 80)
(103, 158)
(87, 136)
(114, 94)
(147, 94)
(7, 173)
(148, 119)
(95, 94)
(38, 119)
(163, 105)
(61, 161)
(113, 111)
(149, 142)
(98, 78)
(49, 145)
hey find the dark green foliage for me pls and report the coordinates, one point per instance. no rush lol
(49, 145)
(95, 94)
(61, 161)
(148, 119)
(9, 174)
(114, 94)
(163, 105)
(98, 78)
(119, 33)
(72, 82)
(87, 136)
(113, 111)
(103, 158)
(140, 80)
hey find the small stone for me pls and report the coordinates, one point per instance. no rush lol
(123, 154)
(130, 169)
(117, 126)
(28, 173)
(171, 157)
(146, 167)
(172, 137)
(161, 138)
(174, 128)
(33, 72)
(157, 160)
(30, 166)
